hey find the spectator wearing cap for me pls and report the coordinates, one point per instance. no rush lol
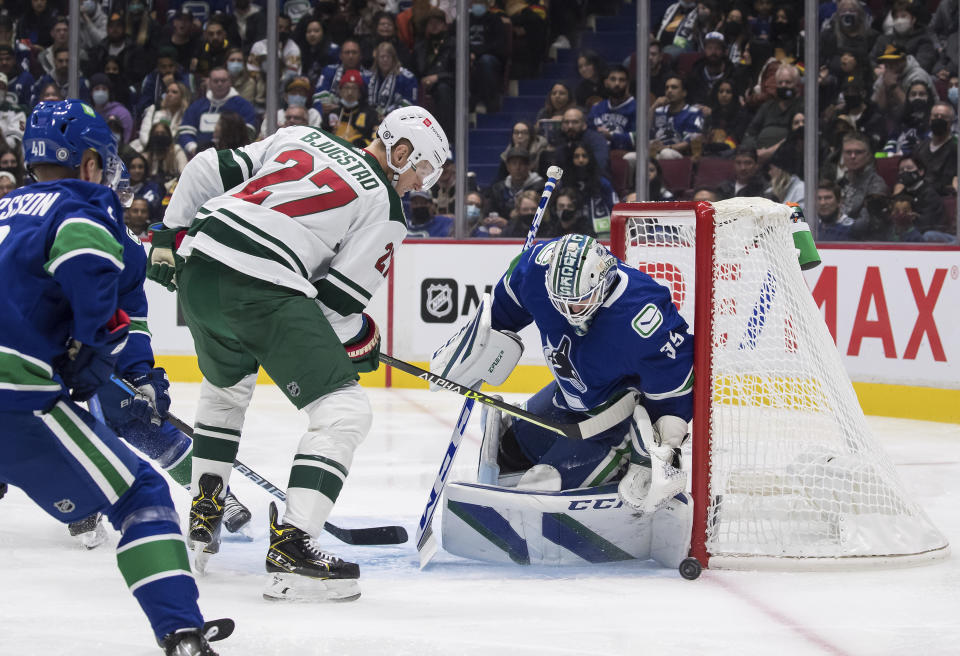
(900, 71)
(296, 95)
(909, 37)
(708, 71)
(391, 85)
(615, 118)
(288, 51)
(13, 117)
(423, 220)
(93, 28)
(156, 82)
(19, 81)
(354, 120)
(116, 44)
(105, 106)
(500, 197)
(326, 95)
(250, 84)
(59, 33)
(771, 124)
(181, 35)
(170, 110)
(201, 116)
(60, 77)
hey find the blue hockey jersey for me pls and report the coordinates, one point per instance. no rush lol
(636, 340)
(60, 261)
(621, 120)
(673, 128)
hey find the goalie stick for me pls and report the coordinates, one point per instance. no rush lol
(426, 542)
(374, 535)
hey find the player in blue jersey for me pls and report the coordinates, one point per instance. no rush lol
(607, 330)
(62, 333)
(139, 419)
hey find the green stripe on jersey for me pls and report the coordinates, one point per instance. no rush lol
(139, 326)
(336, 299)
(230, 172)
(268, 237)
(224, 234)
(246, 160)
(149, 559)
(80, 236)
(349, 283)
(18, 372)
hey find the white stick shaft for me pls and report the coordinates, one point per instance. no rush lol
(554, 173)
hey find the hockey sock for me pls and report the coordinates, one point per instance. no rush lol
(152, 556)
(216, 447)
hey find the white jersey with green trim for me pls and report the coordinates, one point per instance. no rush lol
(302, 209)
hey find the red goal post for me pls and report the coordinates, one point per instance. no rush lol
(785, 472)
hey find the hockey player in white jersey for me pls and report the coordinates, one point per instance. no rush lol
(276, 249)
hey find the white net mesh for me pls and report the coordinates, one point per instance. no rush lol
(794, 470)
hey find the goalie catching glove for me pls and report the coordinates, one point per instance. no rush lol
(364, 350)
(164, 261)
(478, 353)
(649, 487)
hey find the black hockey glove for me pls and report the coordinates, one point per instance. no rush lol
(364, 351)
(84, 368)
(163, 259)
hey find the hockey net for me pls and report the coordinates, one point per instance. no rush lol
(785, 472)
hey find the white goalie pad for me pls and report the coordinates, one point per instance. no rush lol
(477, 352)
(572, 527)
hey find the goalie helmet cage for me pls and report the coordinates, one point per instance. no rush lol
(785, 472)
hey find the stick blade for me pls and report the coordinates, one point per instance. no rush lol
(427, 548)
(376, 535)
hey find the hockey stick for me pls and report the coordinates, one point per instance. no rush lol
(373, 535)
(426, 543)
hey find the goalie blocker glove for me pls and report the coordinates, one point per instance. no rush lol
(84, 367)
(364, 350)
(163, 259)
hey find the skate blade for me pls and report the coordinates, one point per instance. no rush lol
(244, 534)
(200, 557)
(293, 587)
(92, 539)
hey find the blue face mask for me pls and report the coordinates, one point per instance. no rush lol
(952, 95)
(100, 97)
(478, 10)
(295, 99)
(234, 67)
(473, 212)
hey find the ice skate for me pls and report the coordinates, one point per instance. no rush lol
(301, 571)
(186, 642)
(89, 531)
(206, 516)
(236, 516)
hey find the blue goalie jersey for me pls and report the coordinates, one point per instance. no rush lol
(61, 260)
(636, 340)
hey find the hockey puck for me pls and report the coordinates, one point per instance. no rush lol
(690, 568)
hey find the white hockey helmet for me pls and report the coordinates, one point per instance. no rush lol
(430, 145)
(579, 274)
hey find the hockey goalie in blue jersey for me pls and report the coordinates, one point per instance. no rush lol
(622, 361)
(62, 332)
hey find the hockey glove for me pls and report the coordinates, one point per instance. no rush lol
(364, 350)
(151, 402)
(84, 368)
(164, 260)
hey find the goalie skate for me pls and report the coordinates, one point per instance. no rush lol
(301, 571)
(89, 531)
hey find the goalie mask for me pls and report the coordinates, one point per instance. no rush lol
(579, 275)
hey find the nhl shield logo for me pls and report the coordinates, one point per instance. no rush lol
(438, 300)
(293, 389)
(65, 506)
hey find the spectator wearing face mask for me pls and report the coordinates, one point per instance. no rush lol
(500, 197)
(909, 37)
(474, 211)
(296, 95)
(250, 84)
(566, 217)
(900, 72)
(848, 29)
(354, 120)
(165, 159)
(938, 154)
(771, 125)
(912, 182)
(106, 107)
(862, 115)
(914, 126)
(422, 219)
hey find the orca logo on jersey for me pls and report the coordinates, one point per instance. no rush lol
(559, 360)
(438, 300)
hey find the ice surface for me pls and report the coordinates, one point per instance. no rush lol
(56, 598)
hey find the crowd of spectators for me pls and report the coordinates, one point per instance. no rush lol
(725, 92)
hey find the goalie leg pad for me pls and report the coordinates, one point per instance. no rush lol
(338, 423)
(477, 352)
